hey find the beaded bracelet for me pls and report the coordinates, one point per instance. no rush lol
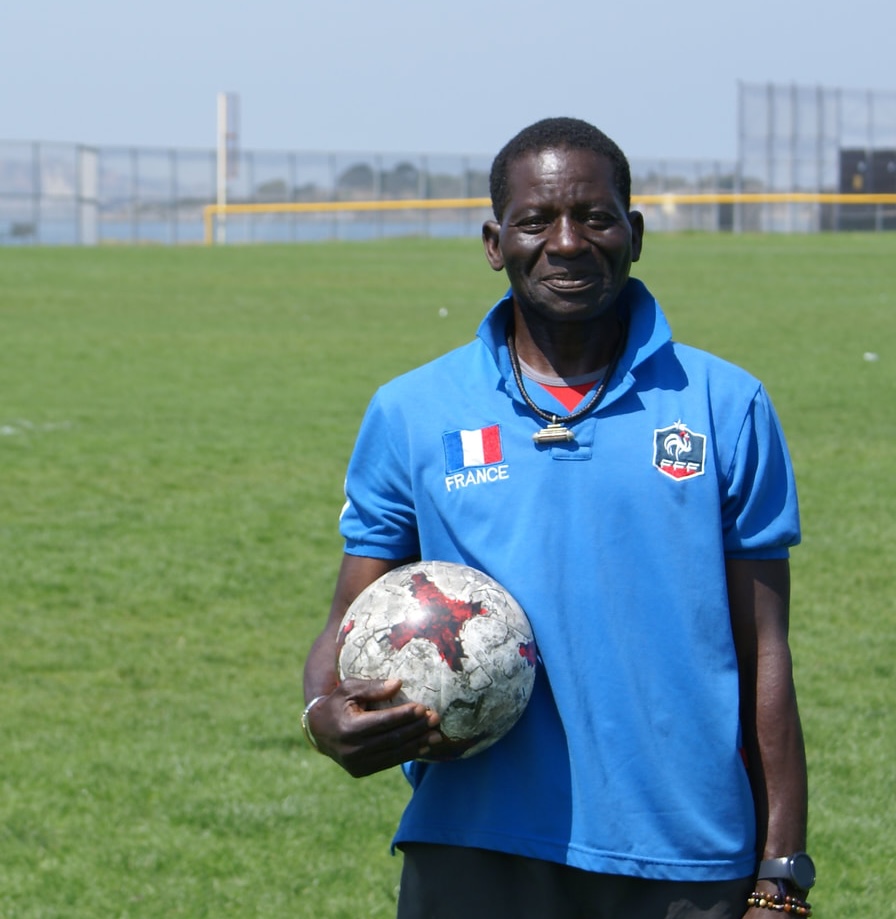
(782, 903)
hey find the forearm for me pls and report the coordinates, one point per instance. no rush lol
(320, 677)
(778, 760)
(357, 722)
(355, 573)
(759, 596)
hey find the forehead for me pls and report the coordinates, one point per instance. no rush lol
(560, 173)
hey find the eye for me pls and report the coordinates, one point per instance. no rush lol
(601, 220)
(532, 223)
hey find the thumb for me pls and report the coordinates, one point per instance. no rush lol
(371, 692)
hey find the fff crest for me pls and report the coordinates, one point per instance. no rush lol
(678, 452)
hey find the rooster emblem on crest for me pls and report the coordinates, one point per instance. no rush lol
(678, 442)
(679, 452)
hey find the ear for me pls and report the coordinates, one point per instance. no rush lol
(491, 240)
(636, 219)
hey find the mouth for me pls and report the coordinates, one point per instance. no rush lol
(569, 284)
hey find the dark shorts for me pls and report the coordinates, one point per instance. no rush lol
(449, 882)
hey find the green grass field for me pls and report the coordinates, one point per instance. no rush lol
(174, 427)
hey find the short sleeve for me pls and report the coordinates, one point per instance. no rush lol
(760, 511)
(379, 519)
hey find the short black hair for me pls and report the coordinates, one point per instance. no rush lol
(557, 133)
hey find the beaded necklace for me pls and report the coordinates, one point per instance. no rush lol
(557, 430)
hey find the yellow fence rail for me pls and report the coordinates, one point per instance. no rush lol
(212, 211)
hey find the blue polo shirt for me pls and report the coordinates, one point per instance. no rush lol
(627, 760)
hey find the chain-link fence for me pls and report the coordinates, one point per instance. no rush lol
(789, 139)
(72, 194)
(835, 141)
(48, 193)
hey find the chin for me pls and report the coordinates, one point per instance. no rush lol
(572, 312)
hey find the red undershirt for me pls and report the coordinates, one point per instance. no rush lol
(570, 396)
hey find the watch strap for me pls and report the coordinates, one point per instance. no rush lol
(773, 868)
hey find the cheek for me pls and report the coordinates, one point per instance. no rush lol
(518, 271)
(520, 257)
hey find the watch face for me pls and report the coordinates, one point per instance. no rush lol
(802, 870)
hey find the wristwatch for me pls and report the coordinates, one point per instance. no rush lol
(798, 868)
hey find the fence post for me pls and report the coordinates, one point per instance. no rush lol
(87, 197)
(135, 196)
(173, 206)
(35, 193)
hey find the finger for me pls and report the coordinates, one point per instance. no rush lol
(402, 732)
(389, 750)
(369, 695)
(400, 724)
(371, 690)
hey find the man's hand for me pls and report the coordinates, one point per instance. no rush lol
(364, 739)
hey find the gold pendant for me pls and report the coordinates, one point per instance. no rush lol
(552, 434)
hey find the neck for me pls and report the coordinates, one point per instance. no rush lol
(569, 349)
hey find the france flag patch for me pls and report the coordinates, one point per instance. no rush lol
(481, 447)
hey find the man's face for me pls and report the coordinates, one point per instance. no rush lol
(565, 240)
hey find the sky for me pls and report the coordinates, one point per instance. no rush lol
(394, 76)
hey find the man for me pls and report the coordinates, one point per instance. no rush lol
(641, 516)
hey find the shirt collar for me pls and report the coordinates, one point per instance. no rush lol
(648, 332)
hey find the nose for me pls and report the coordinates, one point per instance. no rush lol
(565, 238)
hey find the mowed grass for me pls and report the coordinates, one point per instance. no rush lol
(174, 428)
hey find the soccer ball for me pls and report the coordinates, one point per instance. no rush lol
(460, 644)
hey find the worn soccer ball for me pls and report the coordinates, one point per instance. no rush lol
(460, 644)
